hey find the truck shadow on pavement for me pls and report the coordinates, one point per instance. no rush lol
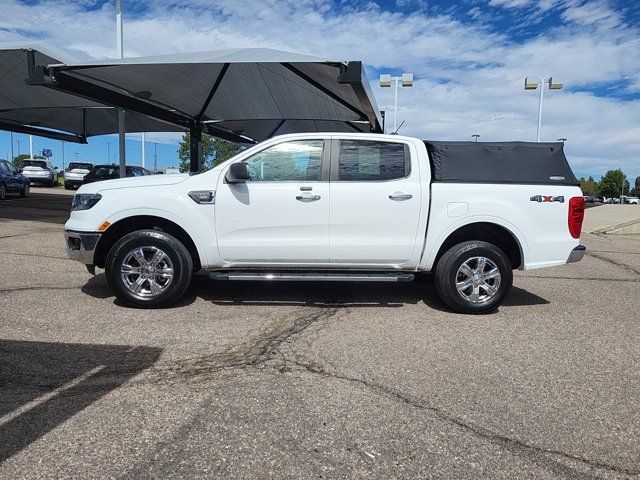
(312, 294)
(43, 384)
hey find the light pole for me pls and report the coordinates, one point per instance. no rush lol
(18, 142)
(385, 82)
(155, 157)
(108, 151)
(12, 157)
(476, 136)
(31, 147)
(63, 155)
(529, 85)
(76, 153)
(144, 140)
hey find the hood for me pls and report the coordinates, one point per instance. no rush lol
(133, 182)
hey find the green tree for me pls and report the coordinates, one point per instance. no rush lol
(589, 186)
(611, 183)
(19, 160)
(214, 152)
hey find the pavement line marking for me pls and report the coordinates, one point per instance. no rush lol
(49, 395)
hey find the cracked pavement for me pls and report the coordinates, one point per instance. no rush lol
(344, 380)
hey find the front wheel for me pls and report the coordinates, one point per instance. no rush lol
(473, 277)
(149, 269)
(26, 189)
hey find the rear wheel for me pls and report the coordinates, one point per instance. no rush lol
(473, 277)
(3, 191)
(149, 269)
(26, 189)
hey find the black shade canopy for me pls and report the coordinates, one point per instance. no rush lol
(500, 162)
(242, 95)
(51, 113)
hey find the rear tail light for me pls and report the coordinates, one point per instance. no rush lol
(576, 216)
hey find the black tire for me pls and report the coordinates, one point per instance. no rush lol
(3, 191)
(178, 255)
(26, 189)
(446, 277)
(66, 186)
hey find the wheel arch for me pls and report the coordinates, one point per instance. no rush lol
(487, 231)
(130, 224)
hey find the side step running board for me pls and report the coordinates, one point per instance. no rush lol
(311, 276)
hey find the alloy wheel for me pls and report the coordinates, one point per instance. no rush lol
(146, 272)
(478, 280)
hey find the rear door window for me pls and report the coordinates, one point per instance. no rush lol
(366, 161)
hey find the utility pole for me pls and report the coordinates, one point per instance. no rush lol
(18, 142)
(31, 147)
(121, 114)
(12, 157)
(155, 157)
(76, 155)
(108, 151)
(475, 136)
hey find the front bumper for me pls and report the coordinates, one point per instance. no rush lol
(81, 245)
(577, 254)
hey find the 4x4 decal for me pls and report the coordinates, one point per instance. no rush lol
(547, 198)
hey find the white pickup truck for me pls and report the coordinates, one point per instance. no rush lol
(337, 206)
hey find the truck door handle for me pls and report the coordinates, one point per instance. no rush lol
(307, 197)
(399, 196)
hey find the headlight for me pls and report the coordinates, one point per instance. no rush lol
(84, 201)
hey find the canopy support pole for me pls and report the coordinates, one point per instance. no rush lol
(195, 148)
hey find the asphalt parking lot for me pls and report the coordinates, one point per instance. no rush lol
(256, 380)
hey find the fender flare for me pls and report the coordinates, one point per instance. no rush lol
(428, 261)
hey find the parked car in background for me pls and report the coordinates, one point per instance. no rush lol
(110, 172)
(171, 171)
(12, 181)
(40, 171)
(75, 173)
(630, 200)
(589, 198)
(598, 198)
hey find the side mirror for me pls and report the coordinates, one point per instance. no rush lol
(238, 173)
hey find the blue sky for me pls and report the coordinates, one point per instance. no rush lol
(469, 58)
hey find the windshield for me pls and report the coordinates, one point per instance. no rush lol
(34, 163)
(83, 166)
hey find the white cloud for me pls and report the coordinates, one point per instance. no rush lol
(468, 77)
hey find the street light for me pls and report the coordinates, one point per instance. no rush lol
(532, 85)
(155, 157)
(18, 142)
(385, 82)
(476, 136)
(76, 153)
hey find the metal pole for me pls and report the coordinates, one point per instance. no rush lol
(31, 147)
(541, 84)
(155, 157)
(12, 157)
(121, 114)
(63, 155)
(18, 142)
(395, 104)
(144, 139)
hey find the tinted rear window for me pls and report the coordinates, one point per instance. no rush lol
(84, 166)
(105, 171)
(34, 163)
(364, 160)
